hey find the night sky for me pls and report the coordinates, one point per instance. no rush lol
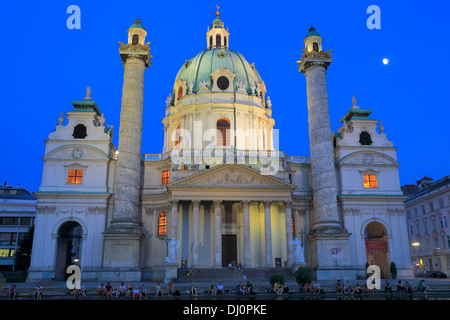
(45, 66)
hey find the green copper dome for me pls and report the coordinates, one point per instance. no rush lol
(200, 67)
(137, 24)
(312, 33)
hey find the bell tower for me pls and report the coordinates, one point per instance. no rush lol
(123, 236)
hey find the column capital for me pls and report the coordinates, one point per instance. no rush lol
(267, 203)
(196, 202)
(287, 204)
(246, 203)
(173, 202)
(217, 202)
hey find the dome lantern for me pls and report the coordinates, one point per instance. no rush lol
(313, 40)
(217, 36)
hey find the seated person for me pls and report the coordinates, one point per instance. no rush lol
(400, 286)
(307, 288)
(357, 289)
(220, 288)
(193, 290)
(339, 287)
(387, 287)
(421, 287)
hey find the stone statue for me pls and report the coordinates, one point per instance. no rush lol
(241, 87)
(268, 102)
(88, 93)
(172, 251)
(253, 87)
(297, 251)
(191, 87)
(354, 101)
(169, 100)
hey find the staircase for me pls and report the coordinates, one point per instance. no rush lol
(209, 275)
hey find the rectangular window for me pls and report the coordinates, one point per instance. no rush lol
(370, 181)
(165, 177)
(431, 207)
(6, 253)
(75, 176)
(9, 221)
(441, 203)
(8, 238)
(162, 224)
(25, 221)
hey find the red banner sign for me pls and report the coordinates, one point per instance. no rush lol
(376, 245)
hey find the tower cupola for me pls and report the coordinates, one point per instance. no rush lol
(313, 40)
(217, 36)
(136, 33)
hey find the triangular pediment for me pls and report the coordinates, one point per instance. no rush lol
(232, 176)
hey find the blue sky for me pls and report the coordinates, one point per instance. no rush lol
(45, 66)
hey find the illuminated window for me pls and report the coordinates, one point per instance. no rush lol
(223, 126)
(135, 39)
(7, 253)
(162, 224)
(178, 137)
(370, 181)
(75, 176)
(165, 175)
(180, 93)
(293, 227)
(184, 167)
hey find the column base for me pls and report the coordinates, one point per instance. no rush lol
(171, 272)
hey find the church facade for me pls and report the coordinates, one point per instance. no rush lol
(220, 191)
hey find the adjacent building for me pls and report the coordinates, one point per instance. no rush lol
(17, 214)
(428, 217)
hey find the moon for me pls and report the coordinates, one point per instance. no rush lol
(385, 61)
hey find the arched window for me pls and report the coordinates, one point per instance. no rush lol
(218, 41)
(223, 126)
(135, 39)
(180, 93)
(365, 139)
(316, 46)
(178, 137)
(162, 224)
(79, 132)
(184, 167)
(224, 41)
(210, 41)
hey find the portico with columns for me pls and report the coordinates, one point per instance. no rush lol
(229, 213)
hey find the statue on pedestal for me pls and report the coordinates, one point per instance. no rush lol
(172, 251)
(297, 250)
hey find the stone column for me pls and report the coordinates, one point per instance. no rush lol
(127, 180)
(247, 256)
(123, 238)
(173, 219)
(217, 234)
(288, 216)
(326, 218)
(268, 233)
(195, 231)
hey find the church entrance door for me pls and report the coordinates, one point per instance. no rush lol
(229, 249)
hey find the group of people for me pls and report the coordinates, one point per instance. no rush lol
(116, 291)
(406, 287)
(311, 288)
